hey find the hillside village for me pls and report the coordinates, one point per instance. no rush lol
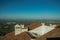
(20, 30)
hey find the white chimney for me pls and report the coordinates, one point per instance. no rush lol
(18, 29)
(54, 26)
(22, 25)
(50, 25)
(43, 24)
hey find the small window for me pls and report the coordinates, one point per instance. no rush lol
(18, 27)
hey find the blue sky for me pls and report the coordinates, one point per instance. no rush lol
(30, 9)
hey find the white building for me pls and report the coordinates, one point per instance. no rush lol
(18, 29)
(22, 25)
(24, 29)
(41, 30)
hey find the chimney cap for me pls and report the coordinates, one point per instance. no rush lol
(43, 23)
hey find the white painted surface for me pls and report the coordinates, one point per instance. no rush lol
(22, 25)
(23, 30)
(18, 29)
(42, 30)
